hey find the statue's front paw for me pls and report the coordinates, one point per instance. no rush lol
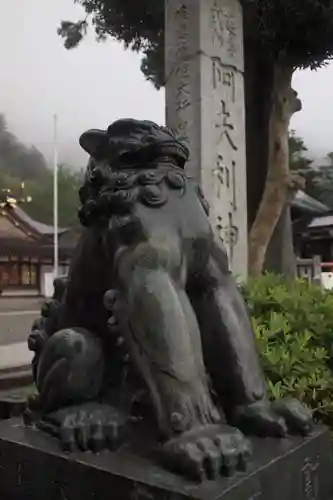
(90, 426)
(36, 340)
(207, 452)
(298, 417)
(277, 419)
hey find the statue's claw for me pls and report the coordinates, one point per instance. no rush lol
(207, 452)
(90, 426)
(259, 419)
(267, 419)
(297, 416)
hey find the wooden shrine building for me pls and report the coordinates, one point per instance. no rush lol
(26, 246)
(313, 230)
(26, 252)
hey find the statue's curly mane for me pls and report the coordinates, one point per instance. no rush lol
(132, 161)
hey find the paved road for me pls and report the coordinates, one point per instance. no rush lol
(8, 304)
(15, 325)
(14, 356)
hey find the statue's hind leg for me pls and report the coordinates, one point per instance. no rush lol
(69, 376)
(70, 369)
(164, 338)
(233, 361)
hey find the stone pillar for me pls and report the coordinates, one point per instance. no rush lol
(205, 105)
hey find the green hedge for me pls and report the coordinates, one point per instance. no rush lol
(293, 322)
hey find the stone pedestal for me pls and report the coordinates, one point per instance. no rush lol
(205, 105)
(33, 468)
(12, 403)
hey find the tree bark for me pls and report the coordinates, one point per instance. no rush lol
(284, 103)
(280, 255)
(258, 91)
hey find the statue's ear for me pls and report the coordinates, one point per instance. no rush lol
(94, 142)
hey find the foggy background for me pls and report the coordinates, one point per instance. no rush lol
(96, 83)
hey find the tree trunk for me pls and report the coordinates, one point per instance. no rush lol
(280, 255)
(278, 179)
(258, 91)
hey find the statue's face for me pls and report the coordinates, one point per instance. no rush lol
(127, 142)
(129, 137)
(123, 137)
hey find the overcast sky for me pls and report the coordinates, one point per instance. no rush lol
(97, 83)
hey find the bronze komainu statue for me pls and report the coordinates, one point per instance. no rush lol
(150, 322)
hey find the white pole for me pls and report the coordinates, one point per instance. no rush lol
(55, 198)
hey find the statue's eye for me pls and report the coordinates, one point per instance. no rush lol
(122, 180)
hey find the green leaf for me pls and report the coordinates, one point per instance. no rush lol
(293, 323)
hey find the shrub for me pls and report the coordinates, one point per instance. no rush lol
(293, 322)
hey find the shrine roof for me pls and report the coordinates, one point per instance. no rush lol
(320, 222)
(306, 203)
(39, 227)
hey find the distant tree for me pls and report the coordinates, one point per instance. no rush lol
(18, 160)
(299, 163)
(23, 171)
(280, 36)
(7, 182)
(321, 186)
(41, 206)
(7, 139)
(319, 179)
(298, 160)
